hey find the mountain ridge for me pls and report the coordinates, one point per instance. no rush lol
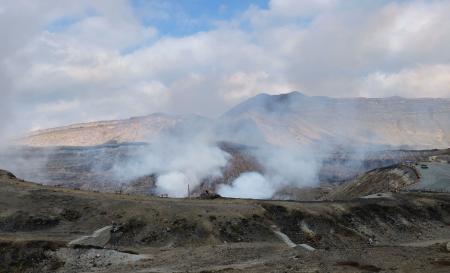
(293, 118)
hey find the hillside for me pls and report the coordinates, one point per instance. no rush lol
(136, 129)
(105, 167)
(283, 119)
(48, 229)
(388, 179)
(298, 118)
(426, 173)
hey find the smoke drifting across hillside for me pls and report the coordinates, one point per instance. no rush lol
(290, 136)
(189, 155)
(283, 166)
(58, 70)
(194, 158)
(178, 159)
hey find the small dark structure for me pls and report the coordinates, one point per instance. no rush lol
(209, 195)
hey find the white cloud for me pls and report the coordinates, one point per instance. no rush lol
(106, 64)
(421, 81)
(241, 85)
(295, 8)
(412, 29)
(58, 107)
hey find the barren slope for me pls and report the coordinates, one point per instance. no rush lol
(95, 133)
(297, 118)
(103, 167)
(414, 172)
(282, 119)
(226, 235)
(389, 179)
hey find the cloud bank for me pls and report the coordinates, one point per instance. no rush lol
(84, 61)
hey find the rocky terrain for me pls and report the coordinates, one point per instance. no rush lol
(423, 173)
(382, 180)
(283, 119)
(377, 205)
(101, 168)
(344, 137)
(42, 229)
(394, 121)
(96, 133)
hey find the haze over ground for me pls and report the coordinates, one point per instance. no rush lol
(287, 140)
(64, 62)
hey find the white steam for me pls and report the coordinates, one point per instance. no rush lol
(283, 167)
(187, 153)
(187, 156)
(175, 184)
(293, 165)
(248, 185)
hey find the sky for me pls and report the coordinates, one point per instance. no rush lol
(64, 62)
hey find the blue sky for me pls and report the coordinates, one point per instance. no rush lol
(174, 17)
(171, 18)
(178, 17)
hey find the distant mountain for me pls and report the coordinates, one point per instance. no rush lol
(297, 118)
(137, 129)
(284, 119)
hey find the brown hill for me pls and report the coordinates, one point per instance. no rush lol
(296, 118)
(96, 133)
(284, 119)
(382, 180)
